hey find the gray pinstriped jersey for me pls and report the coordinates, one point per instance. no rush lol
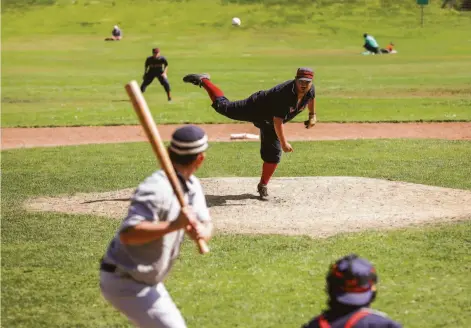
(154, 200)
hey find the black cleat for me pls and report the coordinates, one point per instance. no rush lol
(262, 190)
(195, 78)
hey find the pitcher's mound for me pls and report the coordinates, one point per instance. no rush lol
(315, 206)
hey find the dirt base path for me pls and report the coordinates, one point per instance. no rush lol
(51, 137)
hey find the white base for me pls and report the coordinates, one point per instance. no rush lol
(244, 136)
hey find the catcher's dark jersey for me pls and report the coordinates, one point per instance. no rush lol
(362, 318)
(156, 65)
(279, 101)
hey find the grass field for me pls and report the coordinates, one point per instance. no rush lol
(57, 71)
(65, 74)
(49, 261)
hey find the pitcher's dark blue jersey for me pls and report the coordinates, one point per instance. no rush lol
(261, 107)
(156, 65)
(279, 101)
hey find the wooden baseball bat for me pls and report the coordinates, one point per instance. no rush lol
(150, 128)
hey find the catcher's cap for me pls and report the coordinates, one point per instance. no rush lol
(304, 74)
(352, 280)
(155, 50)
(189, 140)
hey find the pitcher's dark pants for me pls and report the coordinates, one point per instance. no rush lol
(244, 110)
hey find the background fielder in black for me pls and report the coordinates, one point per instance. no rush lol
(156, 67)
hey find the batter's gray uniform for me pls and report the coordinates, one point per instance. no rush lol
(131, 276)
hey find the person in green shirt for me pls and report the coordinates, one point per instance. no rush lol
(370, 44)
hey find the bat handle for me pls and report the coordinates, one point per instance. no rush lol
(203, 246)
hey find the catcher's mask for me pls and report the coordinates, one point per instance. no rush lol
(352, 280)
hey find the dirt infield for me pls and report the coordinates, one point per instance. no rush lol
(314, 206)
(51, 137)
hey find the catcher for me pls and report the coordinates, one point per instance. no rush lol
(351, 286)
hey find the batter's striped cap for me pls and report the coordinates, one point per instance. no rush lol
(189, 140)
(305, 74)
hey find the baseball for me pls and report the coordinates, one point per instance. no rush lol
(236, 21)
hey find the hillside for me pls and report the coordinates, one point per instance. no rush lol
(321, 17)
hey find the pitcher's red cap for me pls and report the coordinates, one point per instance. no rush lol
(304, 74)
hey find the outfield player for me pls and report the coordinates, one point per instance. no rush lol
(147, 243)
(268, 110)
(370, 44)
(351, 286)
(116, 34)
(156, 66)
(389, 49)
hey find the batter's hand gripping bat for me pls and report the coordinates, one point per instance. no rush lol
(150, 128)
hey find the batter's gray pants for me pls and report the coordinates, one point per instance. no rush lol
(145, 306)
